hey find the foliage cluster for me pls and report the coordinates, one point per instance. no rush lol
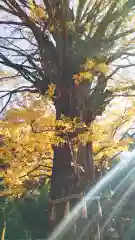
(30, 131)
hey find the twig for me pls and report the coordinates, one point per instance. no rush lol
(17, 90)
(10, 96)
(34, 169)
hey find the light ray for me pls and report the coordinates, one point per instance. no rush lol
(118, 207)
(119, 186)
(69, 221)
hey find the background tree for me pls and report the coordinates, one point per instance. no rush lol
(73, 48)
(25, 217)
(26, 152)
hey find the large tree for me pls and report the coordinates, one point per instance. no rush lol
(71, 47)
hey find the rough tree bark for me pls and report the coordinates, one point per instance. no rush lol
(66, 180)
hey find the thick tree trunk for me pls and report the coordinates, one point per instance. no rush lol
(66, 181)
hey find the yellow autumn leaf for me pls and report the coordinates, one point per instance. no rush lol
(3, 150)
(24, 114)
(51, 28)
(96, 147)
(89, 64)
(51, 90)
(32, 8)
(86, 75)
(102, 67)
(39, 12)
(80, 77)
(36, 11)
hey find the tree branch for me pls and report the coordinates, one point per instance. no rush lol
(121, 35)
(3, 108)
(12, 23)
(17, 90)
(35, 168)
